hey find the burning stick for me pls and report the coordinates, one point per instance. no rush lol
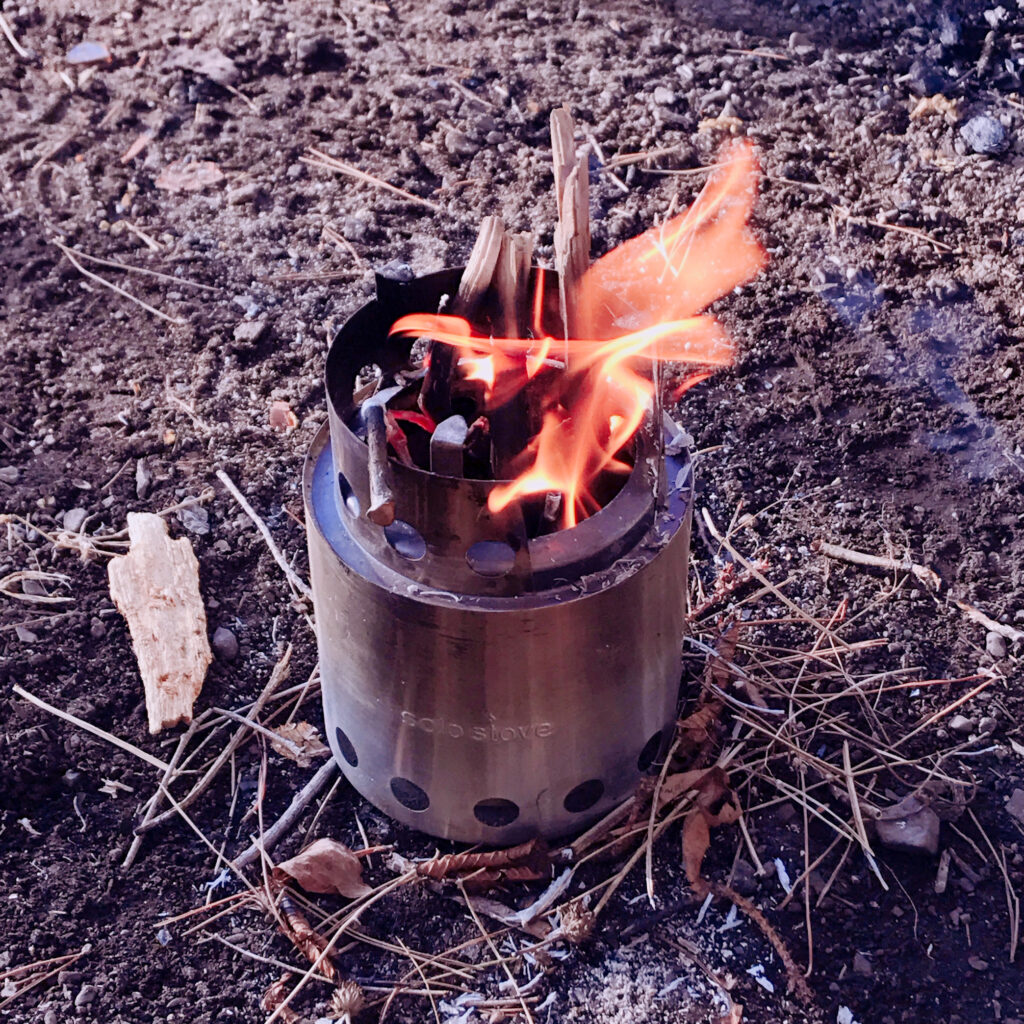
(435, 395)
(382, 499)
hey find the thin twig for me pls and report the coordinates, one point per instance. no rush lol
(113, 287)
(116, 741)
(330, 163)
(117, 265)
(929, 577)
(9, 32)
(299, 803)
(1008, 632)
(296, 581)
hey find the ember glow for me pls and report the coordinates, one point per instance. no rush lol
(638, 304)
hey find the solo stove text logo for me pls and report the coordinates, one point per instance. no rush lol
(490, 733)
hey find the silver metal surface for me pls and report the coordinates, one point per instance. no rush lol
(449, 711)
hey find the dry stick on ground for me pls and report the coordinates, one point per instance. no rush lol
(330, 163)
(300, 585)
(929, 577)
(280, 828)
(117, 265)
(241, 733)
(9, 32)
(130, 748)
(157, 798)
(71, 254)
(1007, 632)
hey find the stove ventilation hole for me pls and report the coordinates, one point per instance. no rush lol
(406, 540)
(496, 812)
(491, 558)
(583, 796)
(348, 496)
(345, 746)
(409, 795)
(650, 752)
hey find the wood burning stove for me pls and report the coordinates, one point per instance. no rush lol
(486, 675)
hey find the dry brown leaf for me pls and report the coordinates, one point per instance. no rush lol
(300, 742)
(696, 840)
(189, 176)
(326, 866)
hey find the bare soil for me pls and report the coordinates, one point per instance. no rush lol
(875, 403)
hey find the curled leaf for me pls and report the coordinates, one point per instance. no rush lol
(300, 742)
(326, 866)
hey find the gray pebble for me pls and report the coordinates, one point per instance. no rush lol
(34, 588)
(250, 331)
(143, 478)
(195, 519)
(800, 44)
(244, 193)
(861, 965)
(86, 995)
(97, 629)
(9, 474)
(224, 643)
(460, 144)
(50, 1017)
(984, 134)
(26, 636)
(988, 725)
(995, 644)
(960, 724)
(74, 519)
(664, 97)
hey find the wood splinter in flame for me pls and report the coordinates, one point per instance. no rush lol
(642, 300)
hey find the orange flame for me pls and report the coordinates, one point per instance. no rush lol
(639, 302)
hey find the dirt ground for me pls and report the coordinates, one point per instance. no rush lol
(874, 404)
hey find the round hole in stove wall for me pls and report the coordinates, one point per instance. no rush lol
(409, 795)
(584, 796)
(652, 748)
(496, 812)
(345, 746)
(406, 540)
(348, 496)
(491, 558)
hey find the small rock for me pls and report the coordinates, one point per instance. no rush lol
(9, 474)
(86, 995)
(664, 97)
(950, 31)
(70, 977)
(961, 724)
(97, 629)
(909, 827)
(977, 963)
(224, 643)
(26, 636)
(143, 478)
(988, 725)
(861, 965)
(318, 53)
(995, 644)
(744, 878)
(1015, 805)
(396, 270)
(195, 519)
(50, 1017)
(88, 53)
(250, 331)
(74, 519)
(925, 79)
(243, 194)
(800, 44)
(34, 588)
(460, 144)
(984, 134)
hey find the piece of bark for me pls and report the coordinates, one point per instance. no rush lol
(382, 499)
(156, 588)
